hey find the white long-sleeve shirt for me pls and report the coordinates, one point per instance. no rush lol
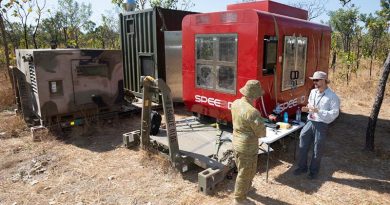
(327, 103)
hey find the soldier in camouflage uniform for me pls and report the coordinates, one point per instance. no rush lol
(248, 127)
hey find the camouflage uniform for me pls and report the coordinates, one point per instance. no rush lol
(247, 128)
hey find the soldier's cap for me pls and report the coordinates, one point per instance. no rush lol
(252, 89)
(320, 75)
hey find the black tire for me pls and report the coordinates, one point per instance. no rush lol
(155, 122)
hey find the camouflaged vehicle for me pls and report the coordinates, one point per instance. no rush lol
(61, 85)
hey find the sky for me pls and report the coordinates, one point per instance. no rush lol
(105, 6)
(365, 6)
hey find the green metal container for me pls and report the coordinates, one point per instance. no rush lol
(143, 44)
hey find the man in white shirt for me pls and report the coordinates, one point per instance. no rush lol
(323, 108)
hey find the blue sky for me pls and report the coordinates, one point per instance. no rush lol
(105, 6)
(365, 6)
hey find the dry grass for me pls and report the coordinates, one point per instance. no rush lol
(45, 135)
(362, 88)
(11, 125)
(6, 93)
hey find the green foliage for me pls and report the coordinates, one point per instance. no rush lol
(376, 25)
(105, 35)
(336, 41)
(52, 29)
(74, 18)
(344, 22)
(169, 4)
(117, 2)
(383, 47)
(385, 10)
(357, 36)
(348, 58)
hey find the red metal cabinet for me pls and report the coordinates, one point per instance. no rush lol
(226, 49)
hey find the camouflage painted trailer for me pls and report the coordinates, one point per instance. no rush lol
(59, 85)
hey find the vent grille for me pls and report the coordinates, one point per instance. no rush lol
(202, 19)
(228, 17)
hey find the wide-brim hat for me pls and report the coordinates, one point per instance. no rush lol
(252, 89)
(320, 75)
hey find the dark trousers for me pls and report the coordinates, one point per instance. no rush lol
(313, 133)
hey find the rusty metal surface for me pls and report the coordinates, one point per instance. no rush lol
(64, 81)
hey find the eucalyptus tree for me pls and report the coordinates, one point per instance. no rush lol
(39, 12)
(169, 4)
(75, 17)
(384, 15)
(377, 26)
(344, 21)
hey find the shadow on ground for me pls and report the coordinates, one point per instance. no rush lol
(106, 135)
(103, 136)
(344, 153)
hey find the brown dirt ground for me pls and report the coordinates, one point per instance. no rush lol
(92, 166)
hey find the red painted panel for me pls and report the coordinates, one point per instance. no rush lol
(251, 26)
(272, 7)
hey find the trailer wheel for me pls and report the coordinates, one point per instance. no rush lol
(155, 122)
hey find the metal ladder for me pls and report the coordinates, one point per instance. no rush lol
(151, 86)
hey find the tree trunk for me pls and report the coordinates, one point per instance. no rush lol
(5, 42)
(372, 56)
(377, 106)
(348, 75)
(371, 64)
(333, 66)
(34, 40)
(25, 35)
(66, 37)
(348, 67)
(5, 45)
(358, 56)
(77, 39)
(34, 37)
(6, 52)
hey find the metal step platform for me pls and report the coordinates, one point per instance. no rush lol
(200, 142)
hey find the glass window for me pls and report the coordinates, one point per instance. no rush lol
(294, 62)
(301, 59)
(270, 54)
(226, 78)
(205, 48)
(216, 62)
(205, 76)
(227, 49)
